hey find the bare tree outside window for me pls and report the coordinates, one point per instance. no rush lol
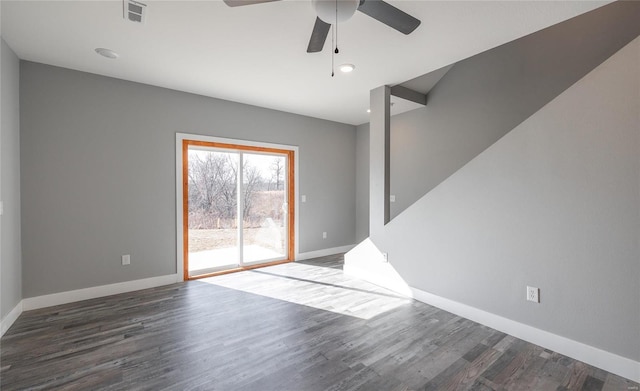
(212, 190)
(277, 171)
(213, 200)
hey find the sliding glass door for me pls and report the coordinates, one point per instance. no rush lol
(238, 208)
(212, 210)
(264, 208)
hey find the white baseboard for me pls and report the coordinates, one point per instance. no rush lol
(33, 303)
(610, 362)
(325, 252)
(10, 318)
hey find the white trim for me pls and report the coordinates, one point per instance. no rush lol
(33, 303)
(610, 362)
(10, 318)
(186, 136)
(323, 253)
(240, 208)
(179, 222)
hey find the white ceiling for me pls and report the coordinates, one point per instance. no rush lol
(257, 54)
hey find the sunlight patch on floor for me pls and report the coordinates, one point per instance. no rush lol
(314, 286)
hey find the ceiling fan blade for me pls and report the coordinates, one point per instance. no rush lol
(236, 3)
(389, 15)
(318, 36)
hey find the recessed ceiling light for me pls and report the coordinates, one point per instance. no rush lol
(108, 53)
(346, 68)
(368, 110)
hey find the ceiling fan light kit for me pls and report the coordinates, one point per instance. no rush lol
(335, 11)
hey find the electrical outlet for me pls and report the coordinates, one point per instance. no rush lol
(126, 260)
(324, 235)
(533, 294)
(385, 257)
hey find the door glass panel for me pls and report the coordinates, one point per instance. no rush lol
(212, 214)
(264, 207)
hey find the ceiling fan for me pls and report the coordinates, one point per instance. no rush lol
(331, 12)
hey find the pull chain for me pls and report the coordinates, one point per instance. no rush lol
(334, 41)
(337, 51)
(332, 55)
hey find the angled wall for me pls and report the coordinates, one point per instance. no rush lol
(482, 98)
(554, 203)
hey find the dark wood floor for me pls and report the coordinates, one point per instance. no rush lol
(302, 326)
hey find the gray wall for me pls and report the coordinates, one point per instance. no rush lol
(483, 97)
(10, 264)
(554, 204)
(98, 174)
(362, 182)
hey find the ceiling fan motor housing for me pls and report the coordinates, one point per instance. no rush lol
(328, 10)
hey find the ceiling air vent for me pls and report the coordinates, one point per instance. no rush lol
(134, 11)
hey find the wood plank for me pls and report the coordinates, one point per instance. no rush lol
(300, 326)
